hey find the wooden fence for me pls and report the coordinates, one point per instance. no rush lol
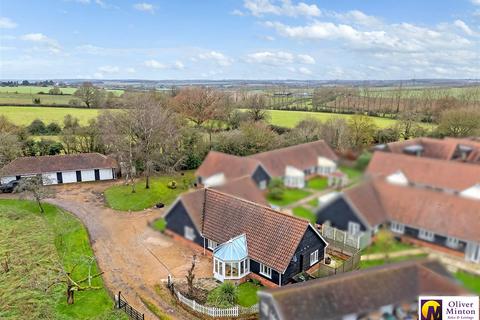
(216, 312)
(121, 303)
(352, 263)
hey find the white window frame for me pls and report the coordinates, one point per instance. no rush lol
(452, 242)
(397, 227)
(211, 244)
(426, 235)
(265, 271)
(313, 257)
(353, 227)
(189, 233)
(262, 185)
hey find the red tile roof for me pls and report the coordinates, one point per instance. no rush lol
(432, 148)
(439, 212)
(243, 187)
(231, 166)
(69, 162)
(454, 175)
(272, 236)
(360, 292)
(302, 156)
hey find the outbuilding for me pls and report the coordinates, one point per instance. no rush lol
(60, 169)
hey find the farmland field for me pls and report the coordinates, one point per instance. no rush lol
(58, 241)
(24, 95)
(25, 115)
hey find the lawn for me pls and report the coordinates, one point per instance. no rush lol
(247, 294)
(289, 196)
(365, 264)
(352, 173)
(58, 240)
(470, 281)
(396, 246)
(313, 202)
(121, 198)
(317, 183)
(304, 213)
(25, 115)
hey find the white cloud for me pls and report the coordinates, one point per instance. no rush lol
(476, 2)
(463, 26)
(145, 7)
(279, 58)
(358, 17)
(305, 71)
(217, 57)
(237, 12)
(154, 64)
(305, 58)
(109, 69)
(284, 8)
(179, 65)
(51, 44)
(7, 23)
(130, 70)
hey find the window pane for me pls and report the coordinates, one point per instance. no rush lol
(235, 269)
(228, 270)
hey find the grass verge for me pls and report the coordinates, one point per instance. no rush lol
(289, 196)
(305, 213)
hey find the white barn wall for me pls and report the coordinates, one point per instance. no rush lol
(88, 175)
(69, 176)
(106, 174)
(7, 179)
(49, 178)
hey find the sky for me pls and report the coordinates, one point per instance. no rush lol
(235, 39)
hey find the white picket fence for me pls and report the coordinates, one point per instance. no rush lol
(342, 238)
(216, 312)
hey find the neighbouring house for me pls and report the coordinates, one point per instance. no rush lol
(218, 168)
(445, 176)
(386, 292)
(440, 220)
(454, 149)
(292, 164)
(60, 169)
(246, 239)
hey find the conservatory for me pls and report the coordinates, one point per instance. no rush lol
(325, 166)
(294, 178)
(230, 259)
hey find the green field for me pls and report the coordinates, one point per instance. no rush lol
(25, 115)
(37, 246)
(24, 95)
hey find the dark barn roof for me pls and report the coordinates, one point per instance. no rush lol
(360, 292)
(69, 162)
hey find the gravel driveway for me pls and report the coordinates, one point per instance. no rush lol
(133, 256)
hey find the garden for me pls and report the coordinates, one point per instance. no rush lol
(163, 189)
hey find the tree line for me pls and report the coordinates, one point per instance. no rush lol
(156, 132)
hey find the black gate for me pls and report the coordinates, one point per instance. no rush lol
(79, 176)
(97, 174)
(121, 303)
(59, 177)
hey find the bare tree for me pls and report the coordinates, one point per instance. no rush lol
(198, 104)
(462, 122)
(191, 276)
(33, 186)
(147, 131)
(87, 92)
(257, 107)
(361, 131)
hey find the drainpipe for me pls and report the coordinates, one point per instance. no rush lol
(203, 245)
(280, 280)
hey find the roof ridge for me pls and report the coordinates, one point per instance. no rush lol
(257, 205)
(424, 159)
(288, 147)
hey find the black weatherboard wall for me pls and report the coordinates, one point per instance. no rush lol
(177, 218)
(310, 242)
(339, 213)
(259, 175)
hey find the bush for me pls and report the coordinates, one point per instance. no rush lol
(224, 296)
(53, 128)
(256, 282)
(36, 100)
(276, 193)
(37, 127)
(172, 184)
(363, 161)
(160, 224)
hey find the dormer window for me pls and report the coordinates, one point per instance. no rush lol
(414, 149)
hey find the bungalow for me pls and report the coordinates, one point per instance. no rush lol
(60, 169)
(292, 164)
(445, 176)
(219, 167)
(421, 215)
(358, 295)
(247, 239)
(465, 150)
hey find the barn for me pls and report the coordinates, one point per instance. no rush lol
(60, 169)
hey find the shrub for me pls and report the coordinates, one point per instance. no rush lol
(276, 193)
(363, 160)
(256, 282)
(53, 128)
(172, 184)
(36, 100)
(224, 296)
(37, 127)
(160, 224)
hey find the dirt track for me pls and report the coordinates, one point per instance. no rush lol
(133, 256)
